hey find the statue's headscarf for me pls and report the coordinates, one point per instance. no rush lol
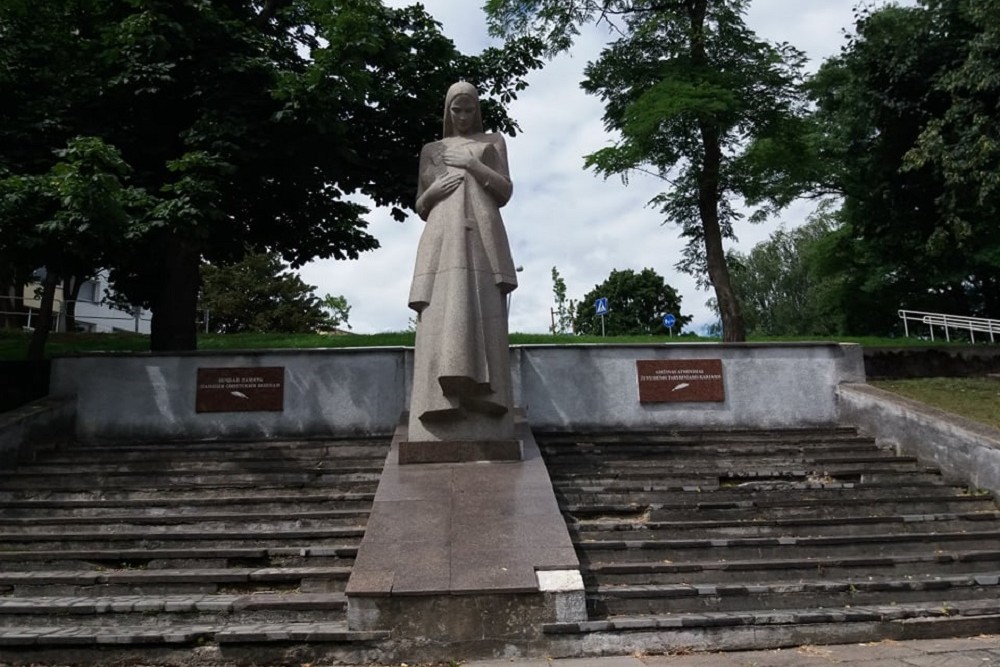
(462, 88)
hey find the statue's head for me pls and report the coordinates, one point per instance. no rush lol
(461, 110)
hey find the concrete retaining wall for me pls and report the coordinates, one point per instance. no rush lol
(766, 386)
(932, 361)
(347, 392)
(152, 397)
(38, 426)
(965, 451)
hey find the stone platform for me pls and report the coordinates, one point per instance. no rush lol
(476, 552)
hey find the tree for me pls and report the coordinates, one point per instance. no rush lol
(919, 228)
(64, 219)
(259, 294)
(637, 304)
(698, 101)
(562, 314)
(337, 310)
(778, 285)
(962, 146)
(246, 124)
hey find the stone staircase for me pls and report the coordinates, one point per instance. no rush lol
(174, 552)
(737, 540)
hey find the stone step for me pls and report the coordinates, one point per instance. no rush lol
(221, 450)
(720, 477)
(718, 462)
(596, 500)
(750, 515)
(790, 569)
(800, 436)
(181, 494)
(751, 540)
(268, 452)
(731, 631)
(180, 480)
(188, 581)
(797, 525)
(619, 550)
(625, 599)
(165, 610)
(143, 550)
(40, 637)
(886, 506)
(750, 512)
(200, 557)
(667, 446)
(336, 536)
(173, 466)
(292, 501)
(655, 489)
(115, 523)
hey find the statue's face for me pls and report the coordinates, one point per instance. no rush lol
(463, 114)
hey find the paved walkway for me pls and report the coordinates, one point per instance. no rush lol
(983, 651)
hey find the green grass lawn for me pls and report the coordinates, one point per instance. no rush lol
(14, 343)
(974, 398)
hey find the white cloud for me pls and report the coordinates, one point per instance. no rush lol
(562, 215)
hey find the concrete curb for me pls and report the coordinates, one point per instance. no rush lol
(38, 426)
(963, 450)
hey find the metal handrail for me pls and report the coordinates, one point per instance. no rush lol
(948, 322)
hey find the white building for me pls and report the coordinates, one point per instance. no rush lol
(93, 312)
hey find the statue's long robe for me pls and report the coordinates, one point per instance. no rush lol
(463, 273)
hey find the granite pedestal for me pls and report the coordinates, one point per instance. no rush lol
(469, 551)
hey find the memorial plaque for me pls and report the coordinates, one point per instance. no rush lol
(680, 380)
(240, 389)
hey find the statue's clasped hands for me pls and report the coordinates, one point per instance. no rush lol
(459, 157)
(462, 158)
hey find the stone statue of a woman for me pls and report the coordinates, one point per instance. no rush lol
(461, 379)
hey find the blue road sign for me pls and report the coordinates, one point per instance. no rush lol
(669, 321)
(601, 306)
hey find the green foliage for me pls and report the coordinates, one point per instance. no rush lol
(779, 286)
(637, 304)
(696, 99)
(337, 310)
(964, 143)
(245, 124)
(259, 295)
(908, 118)
(562, 315)
(69, 218)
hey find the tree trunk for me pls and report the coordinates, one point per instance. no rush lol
(733, 328)
(36, 346)
(175, 306)
(71, 291)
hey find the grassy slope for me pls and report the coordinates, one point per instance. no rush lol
(974, 398)
(14, 344)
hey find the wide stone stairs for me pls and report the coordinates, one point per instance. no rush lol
(213, 548)
(736, 540)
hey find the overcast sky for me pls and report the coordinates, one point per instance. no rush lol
(561, 215)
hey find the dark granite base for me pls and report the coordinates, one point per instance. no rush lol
(452, 549)
(459, 451)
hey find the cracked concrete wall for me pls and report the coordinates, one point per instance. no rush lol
(363, 391)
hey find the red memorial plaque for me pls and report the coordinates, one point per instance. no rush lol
(680, 380)
(240, 390)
